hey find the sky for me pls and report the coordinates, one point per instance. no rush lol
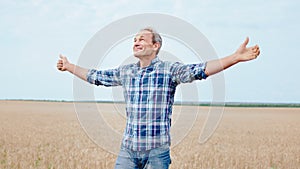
(33, 33)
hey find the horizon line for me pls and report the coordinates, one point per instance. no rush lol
(202, 103)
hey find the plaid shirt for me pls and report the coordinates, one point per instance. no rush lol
(149, 96)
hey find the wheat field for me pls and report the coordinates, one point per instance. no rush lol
(48, 135)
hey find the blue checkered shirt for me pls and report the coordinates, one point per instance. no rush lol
(149, 96)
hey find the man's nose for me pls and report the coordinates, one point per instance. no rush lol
(136, 44)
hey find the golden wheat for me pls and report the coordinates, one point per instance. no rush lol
(48, 135)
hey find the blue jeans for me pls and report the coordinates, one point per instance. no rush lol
(157, 158)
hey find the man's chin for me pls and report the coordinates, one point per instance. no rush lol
(138, 54)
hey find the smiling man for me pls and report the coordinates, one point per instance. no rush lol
(149, 88)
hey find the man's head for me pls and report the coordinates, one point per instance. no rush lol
(147, 43)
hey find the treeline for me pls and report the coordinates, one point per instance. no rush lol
(225, 104)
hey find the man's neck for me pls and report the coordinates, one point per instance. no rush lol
(146, 61)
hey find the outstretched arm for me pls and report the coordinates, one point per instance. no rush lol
(64, 65)
(243, 54)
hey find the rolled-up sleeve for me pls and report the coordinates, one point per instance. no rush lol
(109, 77)
(186, 73)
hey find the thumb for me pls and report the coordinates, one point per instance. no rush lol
(61, 56)
(245, 43)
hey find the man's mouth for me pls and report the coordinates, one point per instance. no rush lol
(137, 49)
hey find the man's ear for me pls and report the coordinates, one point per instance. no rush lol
(156, 46)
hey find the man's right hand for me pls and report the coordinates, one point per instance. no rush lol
(62, 63)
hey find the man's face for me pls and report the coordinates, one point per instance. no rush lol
(143, 45)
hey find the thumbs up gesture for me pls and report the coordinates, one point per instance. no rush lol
(62, 63)
(245, 53)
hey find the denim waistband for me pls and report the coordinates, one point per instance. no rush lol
(142, 154)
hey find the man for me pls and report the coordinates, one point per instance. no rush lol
(149, 88)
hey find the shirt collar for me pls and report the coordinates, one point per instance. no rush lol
(153, 61)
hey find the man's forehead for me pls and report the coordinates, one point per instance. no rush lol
(143, 33)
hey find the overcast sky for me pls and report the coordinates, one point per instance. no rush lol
(33, 34)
